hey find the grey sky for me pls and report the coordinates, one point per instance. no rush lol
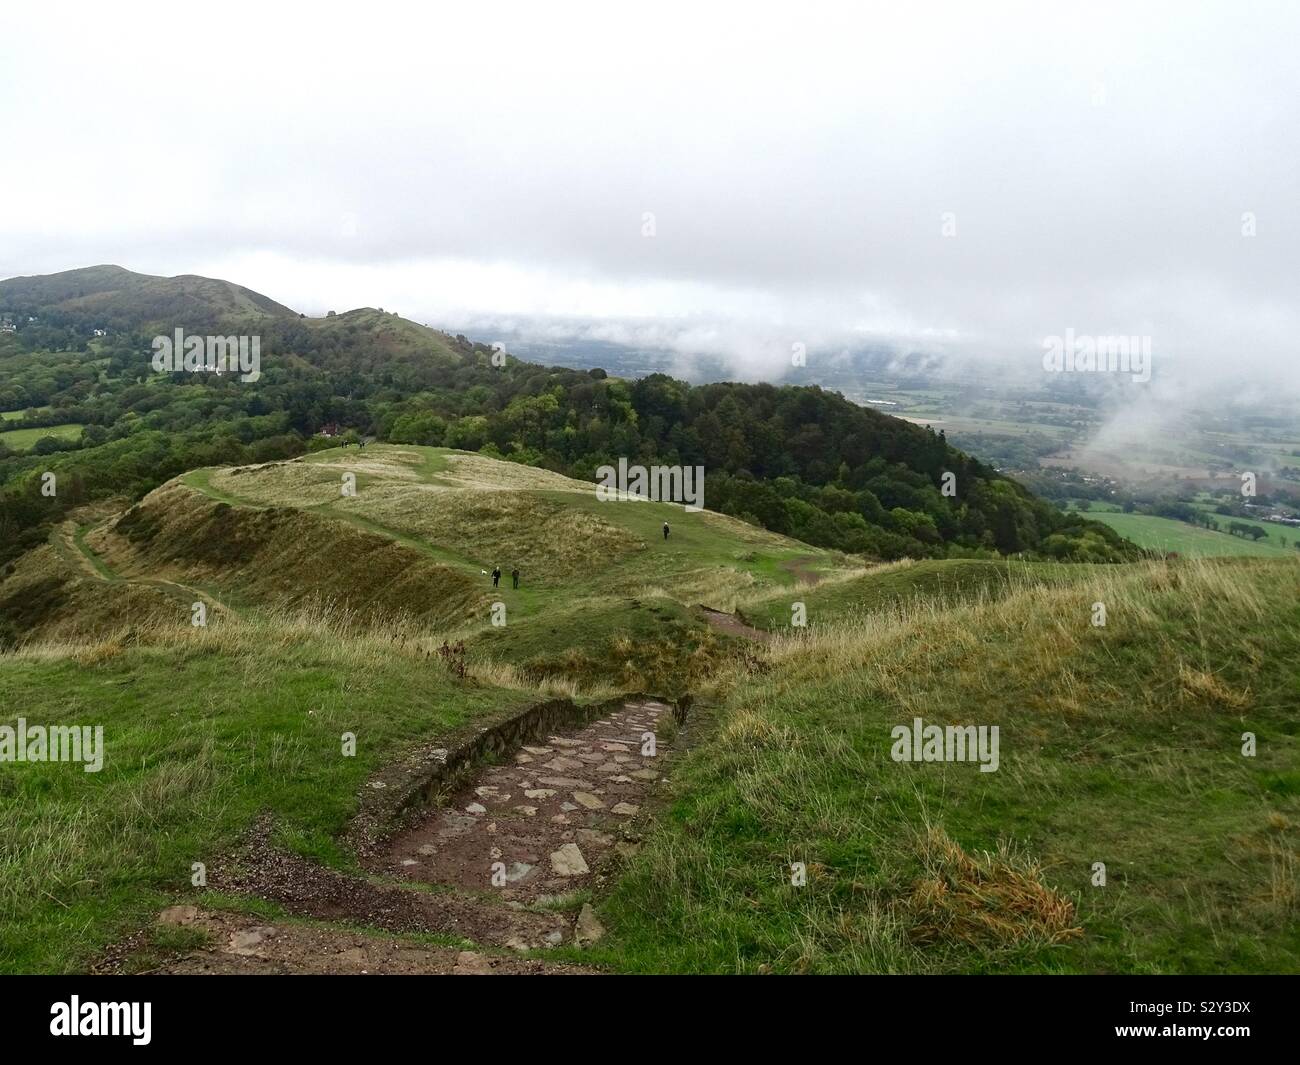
(492, 165)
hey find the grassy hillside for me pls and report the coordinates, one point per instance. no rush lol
(205, 729)
(1120, 745)
(896, 586)
(472, 513)
(112, 294)
(329, 611)
(1165, 534)
(604, 601)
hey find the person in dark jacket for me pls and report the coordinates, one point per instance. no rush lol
(514, 576)
(665, 530)
(496, 576)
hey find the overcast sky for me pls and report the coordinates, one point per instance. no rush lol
(476, 164)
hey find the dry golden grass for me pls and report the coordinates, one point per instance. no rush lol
(714, 587)
(296, 483)
(1045, 620)
(1207, 689)
(51, 596)
(327, 630)
(468, 470)
(508, 675)
(756, 594)
(996, 900)
(543, 538)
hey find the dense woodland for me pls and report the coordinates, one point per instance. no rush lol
(797, 460)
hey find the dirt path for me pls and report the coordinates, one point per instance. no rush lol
(71, 544)
(498, 870)
(799, 567)
(733, 626)
(246, 945)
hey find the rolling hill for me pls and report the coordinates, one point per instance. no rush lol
(115, 297)
(416, 543)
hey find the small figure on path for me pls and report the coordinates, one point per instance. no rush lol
(514, 576)
(665, 530)
(496, 576)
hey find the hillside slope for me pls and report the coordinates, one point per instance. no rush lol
(414, 546)
(1123, 745)
(117, 298)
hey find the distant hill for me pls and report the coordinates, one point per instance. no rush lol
(798, 461)
(115, 298)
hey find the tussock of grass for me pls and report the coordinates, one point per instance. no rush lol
(996, 899)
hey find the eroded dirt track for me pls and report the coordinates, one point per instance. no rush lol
(246, 945)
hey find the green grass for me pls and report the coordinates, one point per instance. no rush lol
(18, 415)
(1278, 535)
(570, 547)
(1119, 745)
(202, 732)
(893, 586)
(79, 541)
(24, 439)
(1166, 534)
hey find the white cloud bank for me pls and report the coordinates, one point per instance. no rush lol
(483, 162)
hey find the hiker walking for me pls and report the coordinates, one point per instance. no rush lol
(496, 576)
(514, 576)
(665, 530)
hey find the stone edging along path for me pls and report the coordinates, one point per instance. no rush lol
(485, 842)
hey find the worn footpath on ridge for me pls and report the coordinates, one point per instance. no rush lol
(493, 871)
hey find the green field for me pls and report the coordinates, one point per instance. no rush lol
(1166, 534)
(1287, 535)
(25, 439)
(17, 415)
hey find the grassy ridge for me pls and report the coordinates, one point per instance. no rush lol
(579, 558)
(894, 586)
(1119, 745)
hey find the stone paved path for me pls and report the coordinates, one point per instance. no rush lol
(537, 827)
(516, 837)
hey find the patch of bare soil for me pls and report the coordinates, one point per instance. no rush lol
(305, 889)
(799, 567)
(733, 626)
(244, 944)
